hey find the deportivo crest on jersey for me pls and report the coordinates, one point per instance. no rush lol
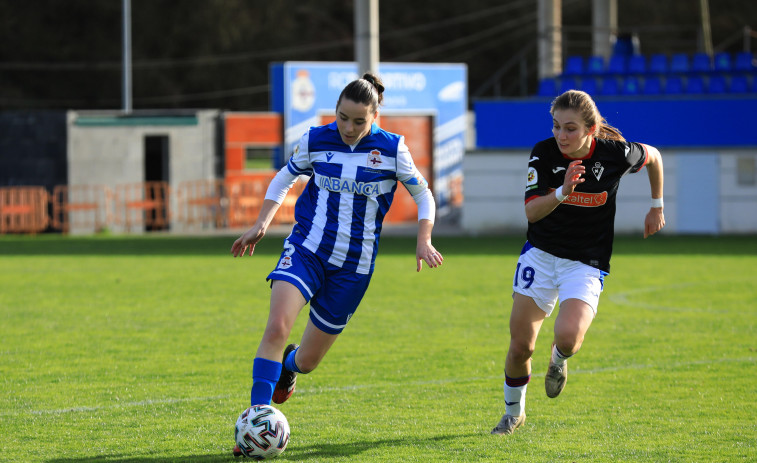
(533, 179)
(597, 170)
(374, 158)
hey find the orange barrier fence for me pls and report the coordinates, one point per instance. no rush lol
(246, 197)
(147, 206)
(23, 209)
(77, 207)
(202, 203)
(206, 204)
(142, 205)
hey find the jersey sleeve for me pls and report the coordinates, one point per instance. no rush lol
(416, 184)
(636, 156)
(299, 163)
(538, 174)
(407, 173)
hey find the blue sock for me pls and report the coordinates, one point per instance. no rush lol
(265, 375)
(290, 364)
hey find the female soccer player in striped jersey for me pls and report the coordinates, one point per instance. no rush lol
(572, 183)
(328, 259)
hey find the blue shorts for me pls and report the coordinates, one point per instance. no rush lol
(334, 293)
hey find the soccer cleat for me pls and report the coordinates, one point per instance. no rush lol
(287, 381)
(557, 376)
(508, 424)
(237, 452)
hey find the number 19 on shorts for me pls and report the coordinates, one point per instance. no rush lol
(525, 276)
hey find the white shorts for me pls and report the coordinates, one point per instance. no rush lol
(546, 278)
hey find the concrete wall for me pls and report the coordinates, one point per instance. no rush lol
(108, 149)
(706, 191)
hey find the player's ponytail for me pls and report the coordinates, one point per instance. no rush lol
(583, 104)
(368, 90)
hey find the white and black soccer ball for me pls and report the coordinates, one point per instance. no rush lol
(262, 432)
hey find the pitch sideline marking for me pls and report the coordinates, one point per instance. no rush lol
(317, 390)
(622, 298)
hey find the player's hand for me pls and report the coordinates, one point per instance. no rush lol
(427, 252)
(247, 240)
(654, 221)
(573, 176)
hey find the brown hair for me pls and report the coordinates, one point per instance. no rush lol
(582, 103)
(368, 90)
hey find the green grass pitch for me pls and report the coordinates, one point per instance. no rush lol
(139, 349)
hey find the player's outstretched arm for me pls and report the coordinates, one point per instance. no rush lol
(425, 251)
(252, 236)
(655, 219)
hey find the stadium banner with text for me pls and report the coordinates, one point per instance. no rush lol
(304, 91)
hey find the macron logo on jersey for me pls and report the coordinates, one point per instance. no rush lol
(338, 185)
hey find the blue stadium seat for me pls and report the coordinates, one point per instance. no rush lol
(547, 87)
(631, 86)
(652, 85)
(722, 62)
(695, 85)
(609, 86)
(739, 84)
(589, 85)
(618, 65)
(574, 66)
(701, 63)
(626, 45)
(744, 62)
(673, 85)
(680, 63)
(717, 84)
(637, 64)
(595, 65)
(658, 64)
(568, 83)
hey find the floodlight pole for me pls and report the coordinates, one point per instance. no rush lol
(126, 67)
(366, 36)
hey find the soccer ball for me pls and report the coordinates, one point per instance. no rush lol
(261, 432)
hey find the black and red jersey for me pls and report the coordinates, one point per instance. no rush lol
(583, 226)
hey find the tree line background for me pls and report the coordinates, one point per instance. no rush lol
(58, 54)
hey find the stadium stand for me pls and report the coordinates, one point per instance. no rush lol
(682, 74)
(658, 64)
(717, 84)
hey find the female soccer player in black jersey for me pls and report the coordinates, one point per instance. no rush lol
(572, 182)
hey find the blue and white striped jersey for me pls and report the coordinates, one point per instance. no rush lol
(339, 215)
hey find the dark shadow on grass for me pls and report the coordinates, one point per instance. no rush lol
(507, 246)
(319, 452)
(122, 459)
(146, 245)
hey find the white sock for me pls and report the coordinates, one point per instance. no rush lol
(558, 358)
(515, 399)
